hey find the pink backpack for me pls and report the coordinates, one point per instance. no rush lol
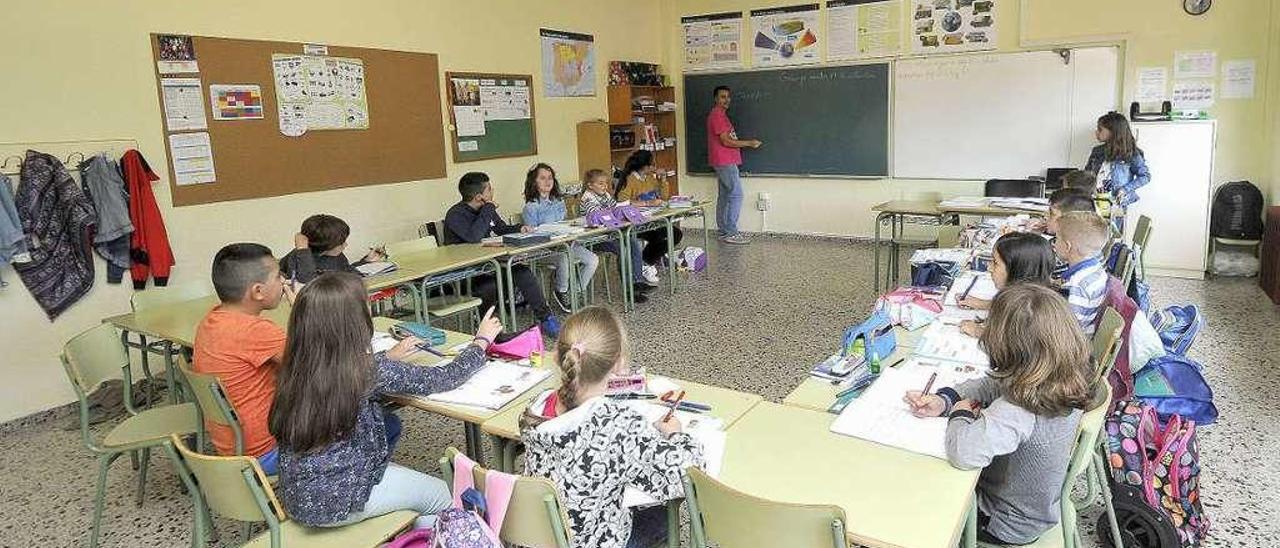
(475, 519)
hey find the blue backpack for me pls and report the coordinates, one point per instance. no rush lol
(1178, 327)
(1174, 385)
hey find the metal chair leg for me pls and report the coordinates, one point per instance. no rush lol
(104, 463)
(142, 475)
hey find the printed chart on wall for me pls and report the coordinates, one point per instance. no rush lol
(712, 41)
(863, 28)
(492, 115)
(785, 36)
(953, 25)
(319, 93)
(568, 64)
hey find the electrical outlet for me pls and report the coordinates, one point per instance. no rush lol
(762, 201)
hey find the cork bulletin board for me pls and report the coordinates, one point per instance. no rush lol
(400, 137)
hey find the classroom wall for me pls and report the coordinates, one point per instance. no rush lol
(82, 70)
(1273, 101)
(1154, 29)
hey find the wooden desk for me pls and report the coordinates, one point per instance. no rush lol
(892, 498)
(896, 214)
(817, 394)
(727, 405)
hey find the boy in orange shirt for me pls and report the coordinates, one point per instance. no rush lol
(243, 349)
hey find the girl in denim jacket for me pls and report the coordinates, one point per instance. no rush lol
(1118, 164)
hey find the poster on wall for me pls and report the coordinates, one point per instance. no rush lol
(785, 36)
(952, 25)
(863, 28)
(177, 54)
(329, 92)
(568, 64)
(236, 102)
(712, 41)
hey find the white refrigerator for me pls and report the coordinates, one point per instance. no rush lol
(1180, 157)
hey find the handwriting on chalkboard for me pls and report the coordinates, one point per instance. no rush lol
(824, 75)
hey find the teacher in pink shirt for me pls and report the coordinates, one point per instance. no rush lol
(724, 157)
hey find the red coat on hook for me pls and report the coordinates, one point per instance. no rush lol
(149, 248)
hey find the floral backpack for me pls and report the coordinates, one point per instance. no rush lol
(1163, 464)
(476, 518)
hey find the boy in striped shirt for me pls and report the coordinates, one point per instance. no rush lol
(1081, 235)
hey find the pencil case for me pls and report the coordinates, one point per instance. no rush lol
(419, 330)
(876, 333)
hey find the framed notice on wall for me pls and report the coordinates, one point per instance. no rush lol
(491, 115)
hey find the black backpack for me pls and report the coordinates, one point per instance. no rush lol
(1237, 212)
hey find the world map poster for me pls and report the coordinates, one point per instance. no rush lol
(568, 64)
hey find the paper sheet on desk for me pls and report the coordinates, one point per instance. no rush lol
(978, 284)
(946, 342)
(704, 428)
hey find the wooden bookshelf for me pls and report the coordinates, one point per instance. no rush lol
(595, 148)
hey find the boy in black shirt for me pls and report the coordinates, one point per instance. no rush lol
(472, 220)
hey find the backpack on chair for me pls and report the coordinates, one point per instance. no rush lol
(476, 518)
(1155, 478)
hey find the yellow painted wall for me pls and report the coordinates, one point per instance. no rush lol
(81, 69)
(1154, 29)
(1273, 101)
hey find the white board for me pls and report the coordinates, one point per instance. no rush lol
(999, 115)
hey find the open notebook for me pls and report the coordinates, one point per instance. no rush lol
(704, 428)
(493, 386)
(880, 415)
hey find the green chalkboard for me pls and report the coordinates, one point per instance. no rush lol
(831, 120)
(504, 102)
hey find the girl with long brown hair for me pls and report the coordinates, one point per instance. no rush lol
(594, 448)
(335, 440)
(1118, 164)
(1018, 424)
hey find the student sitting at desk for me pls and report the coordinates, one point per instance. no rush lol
(243, 349)
(640, 185)
(1017, 257)
(474, 219)
(335, 437)
(596, 197)
(1066, 200)
(544, 203)
(1079, 242)
(1019, 423)
(593, 448)
(319, 247)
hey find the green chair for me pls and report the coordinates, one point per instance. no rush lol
(535, 517)
(92, 358)
(1066, 533)
(236, 488)
(1142, 234)
(726, 517)
(1106, 343)
(155, 298)
(213, 405)
(441, 306)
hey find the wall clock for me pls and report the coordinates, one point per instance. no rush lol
(1196, 7)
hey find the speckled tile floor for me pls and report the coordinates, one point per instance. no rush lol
(754, 322)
